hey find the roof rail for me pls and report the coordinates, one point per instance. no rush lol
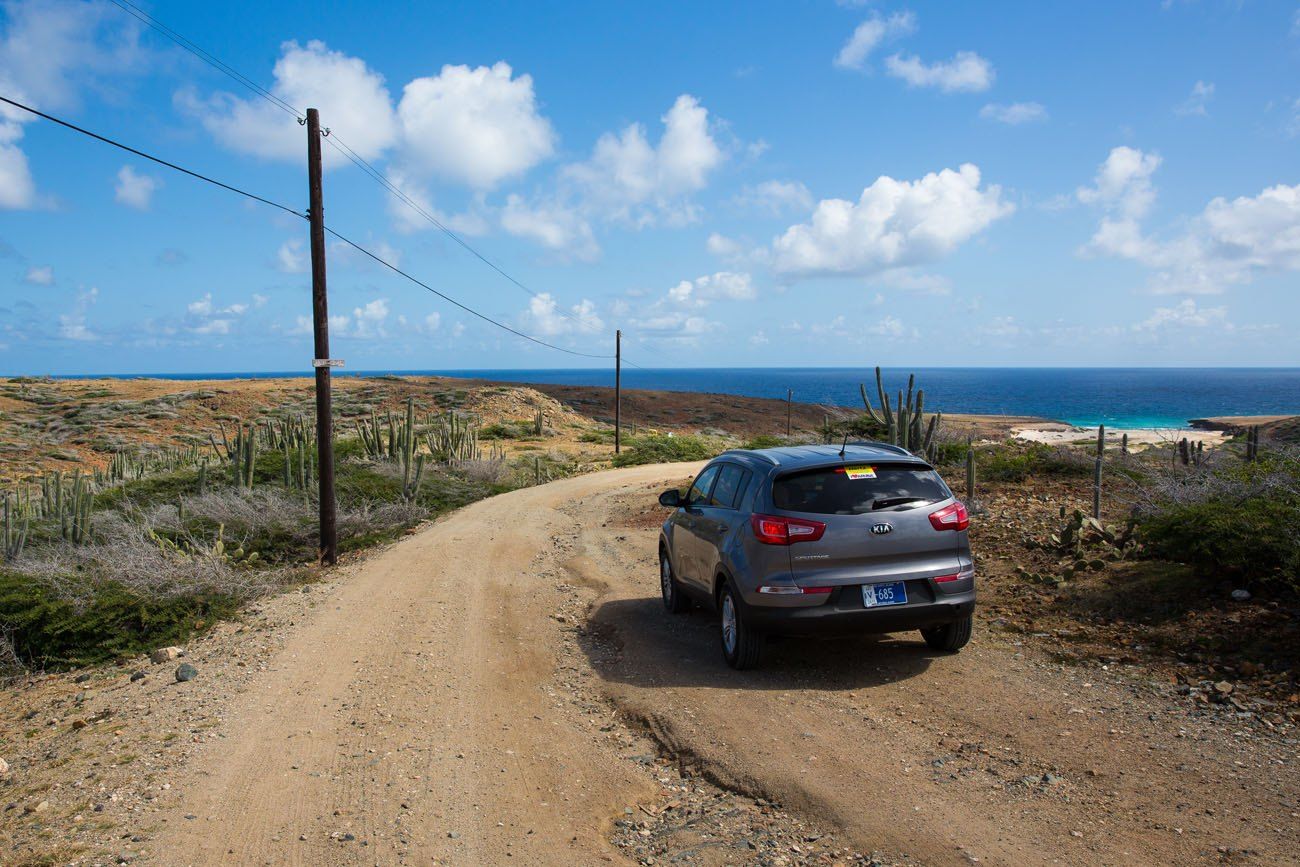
(755, 453)
(889, 447)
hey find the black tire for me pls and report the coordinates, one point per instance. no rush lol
(742, 647)
(674, 599)
(951, 637)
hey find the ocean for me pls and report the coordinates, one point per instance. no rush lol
(1116, 397)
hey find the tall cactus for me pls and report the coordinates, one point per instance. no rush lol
(1096, 472)
(15, 534)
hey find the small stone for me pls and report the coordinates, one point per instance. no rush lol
(1076, 833)
(78, 723)
(165, 654)
(1223, 687)
(81, 678)
(4, 769)
(1240, 595)
(185, 672)
(453, 835)
(37, 808)
(138, 675)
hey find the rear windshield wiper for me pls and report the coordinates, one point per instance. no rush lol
(896, 501)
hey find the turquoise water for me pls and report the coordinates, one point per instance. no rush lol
(1117, 397)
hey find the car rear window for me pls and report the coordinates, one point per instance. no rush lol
(856, 489)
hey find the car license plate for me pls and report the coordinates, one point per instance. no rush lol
(877, 595)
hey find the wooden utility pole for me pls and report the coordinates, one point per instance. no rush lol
(618, 391)
(321, 361)
(789, 400)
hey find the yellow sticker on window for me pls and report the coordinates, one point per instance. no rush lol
(856, 473)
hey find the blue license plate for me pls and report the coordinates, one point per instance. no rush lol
(878, 595)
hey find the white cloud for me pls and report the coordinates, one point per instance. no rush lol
(72, 325)
(893, 224)
(1014, 113)
(553, 225)
(890, 327)
(629, 179)
(50, 50)
(545, 318)
(40, 276)
(759, 338)
(674, 327)
(135, 190)
(1186, 314)
(368, 321)
(722, 286)
(1197, 99)
(351, 97)
(291, 258)
(202, 307)
(1123, 182)
(204, 317)
(721, 245)
(1232, 241)
(626, 180)
(775, 197)
(432, 322)
(965, 72)
(473, 126)
(17, 188)
(868, 35)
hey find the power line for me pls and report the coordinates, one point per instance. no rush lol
(287, 209)
(158, 160)
(469, 310)
(207, 57)
(339, 145)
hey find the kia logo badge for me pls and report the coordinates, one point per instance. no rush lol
(882, 529)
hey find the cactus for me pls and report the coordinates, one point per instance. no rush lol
(453, 439)
(970, 471)
(15, 535)
(539, 421)
(1096, 472)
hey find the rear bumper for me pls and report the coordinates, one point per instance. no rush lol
(844, 614)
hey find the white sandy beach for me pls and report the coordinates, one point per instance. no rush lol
(1055, 433)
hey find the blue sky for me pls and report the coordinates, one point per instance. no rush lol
(731, 184)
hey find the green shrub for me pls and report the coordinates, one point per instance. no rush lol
(1015, 463)
(765, 441)
(659, 449)
(48, 630)
(1251, 539)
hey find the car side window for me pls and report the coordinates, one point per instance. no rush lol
(730, 484)
(699, 493)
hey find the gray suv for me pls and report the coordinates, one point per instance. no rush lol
(819, 539)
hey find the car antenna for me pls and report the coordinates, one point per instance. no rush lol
(845, 444)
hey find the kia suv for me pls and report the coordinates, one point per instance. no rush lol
(864, 538)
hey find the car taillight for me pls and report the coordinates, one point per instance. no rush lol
(954, 517)
(956, 576)
(774, 530)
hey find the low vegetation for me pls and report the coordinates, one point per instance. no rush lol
(164, 542)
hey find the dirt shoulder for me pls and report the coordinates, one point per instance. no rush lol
(504, 684)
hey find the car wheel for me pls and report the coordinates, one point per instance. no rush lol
(950, 637)
(741, 646)
(674, 599)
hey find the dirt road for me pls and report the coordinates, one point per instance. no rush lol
(453, 701)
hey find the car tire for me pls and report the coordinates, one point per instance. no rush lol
(742, 647)
(951, 637)
(674, 599)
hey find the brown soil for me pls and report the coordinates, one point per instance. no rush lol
(505, 687)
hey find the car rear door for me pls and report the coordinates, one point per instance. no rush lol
(877, 523)
(688, 526)
(717, 518)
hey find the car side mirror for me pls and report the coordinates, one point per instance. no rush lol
(672, 499)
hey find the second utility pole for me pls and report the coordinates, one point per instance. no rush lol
(618, 390)
(321, 361)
